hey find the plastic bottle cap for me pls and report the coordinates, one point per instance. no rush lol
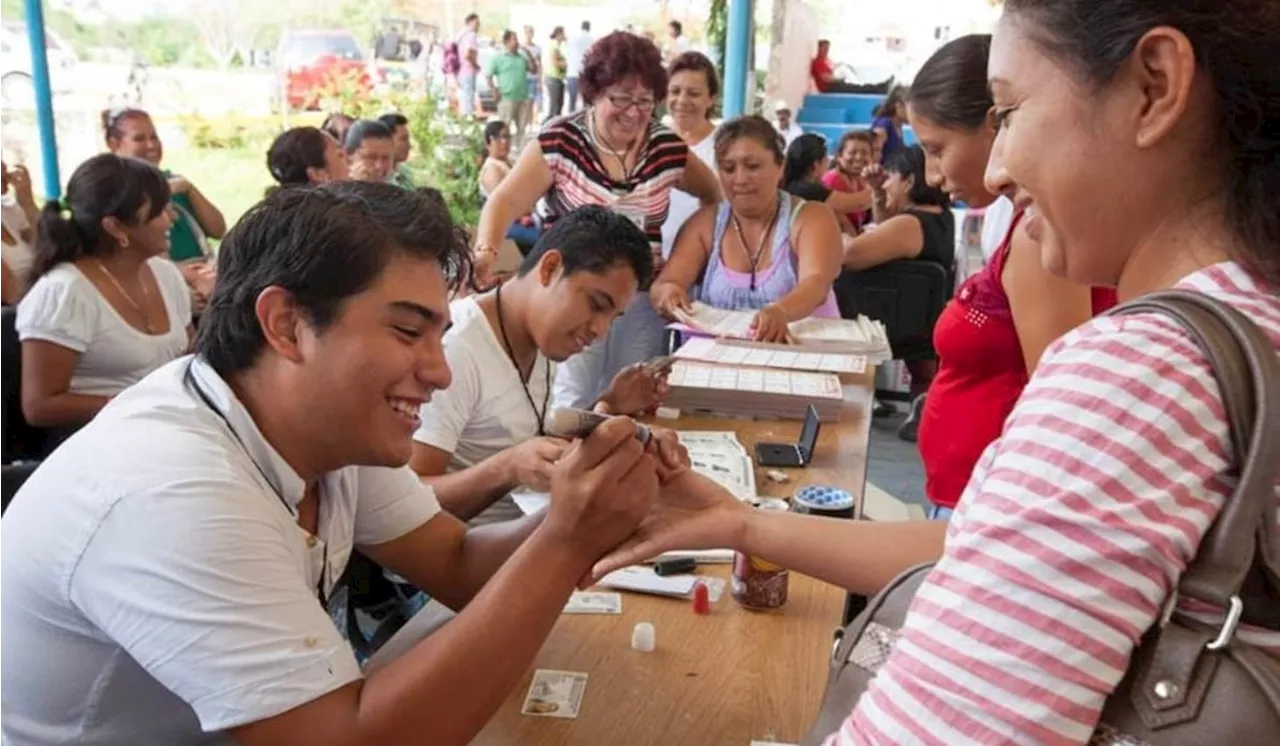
(642, 638)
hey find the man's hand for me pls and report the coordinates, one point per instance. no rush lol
(635, 390)
(691, 512)
(531, 462)
(673, 457)
(601, 490)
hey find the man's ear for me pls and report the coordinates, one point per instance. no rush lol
(549, 266)
(281, 321)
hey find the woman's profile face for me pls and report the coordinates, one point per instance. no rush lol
(335, 160)
(955, 160)
(500, 144)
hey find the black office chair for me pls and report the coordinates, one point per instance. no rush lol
(12, 477)
(906, 295)
(19, 440)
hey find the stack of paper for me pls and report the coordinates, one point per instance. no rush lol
(721, 457)
(860, 336)
(753, 392)
(710, 350)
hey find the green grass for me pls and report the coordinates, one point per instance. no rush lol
(233, 179)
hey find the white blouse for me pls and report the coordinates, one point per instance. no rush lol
(20, 255)
(65, 308)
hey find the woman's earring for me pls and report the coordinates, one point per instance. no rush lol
(124, 242)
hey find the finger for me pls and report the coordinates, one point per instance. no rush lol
(610, 436)
(640, 547)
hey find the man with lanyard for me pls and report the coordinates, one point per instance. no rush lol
(165, 572)
(484, 436)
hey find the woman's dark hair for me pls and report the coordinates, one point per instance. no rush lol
(951, 88)
(492, 130)
(337, 124)
(322, 244)
(111, 119)
(699, 63)
(754, 127)
(618, 56)
(1237, 45)
(594, 239)
(104, 186)
(803, 154)
(557, 32)
(909, 164)
(895, 96)
(856, 135)
(294, 151)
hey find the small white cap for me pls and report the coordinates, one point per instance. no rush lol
(781, 105)
(642, 638)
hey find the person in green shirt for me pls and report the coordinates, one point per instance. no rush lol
(554, 66)
(131, 133)
(508, 75)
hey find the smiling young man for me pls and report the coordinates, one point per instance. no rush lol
(484, 436)
(165, 572)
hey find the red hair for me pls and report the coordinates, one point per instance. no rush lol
(619, 56)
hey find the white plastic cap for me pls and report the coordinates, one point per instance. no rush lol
(642, 638)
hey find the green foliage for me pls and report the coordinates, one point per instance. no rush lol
(233, 132)
(717, 28)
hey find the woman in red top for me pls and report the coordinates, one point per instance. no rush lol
(853, 154)
(991, 335)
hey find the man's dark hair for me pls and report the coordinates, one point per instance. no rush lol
(323, 244)
(594, 239)
(586, 25)
(677, 27)
(363, 130)
(394, 121)
(471, 17)
(509, 35)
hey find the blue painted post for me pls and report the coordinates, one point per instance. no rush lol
(44, 99)
(737, 43)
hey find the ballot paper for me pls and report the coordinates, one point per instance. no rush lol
(555, 694)
(710, 350)
(639, 579)
(721, 457)
(734, 390)
(861, 335)
(593, 602)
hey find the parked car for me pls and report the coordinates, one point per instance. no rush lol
(16, 86)
(309, 62)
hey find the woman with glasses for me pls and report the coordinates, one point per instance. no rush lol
(761, 249)
(611, 154)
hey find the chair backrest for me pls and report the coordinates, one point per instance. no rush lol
(18, 439)
(907, 296)
(12, 477)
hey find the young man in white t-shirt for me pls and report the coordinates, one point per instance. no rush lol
(482, 437)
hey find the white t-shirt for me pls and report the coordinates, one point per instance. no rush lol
(684, 205)
(155, 581)
(995, 224)
(485, 409)
(790, 133)
(19, 255)
(575, 52)
(65, 308)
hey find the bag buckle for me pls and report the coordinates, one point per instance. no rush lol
(1229, 625)
(837, 637)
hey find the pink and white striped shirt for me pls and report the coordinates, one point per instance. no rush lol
(1069, 538)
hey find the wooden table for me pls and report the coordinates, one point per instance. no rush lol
(724, 679)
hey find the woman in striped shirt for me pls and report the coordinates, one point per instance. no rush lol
(1079, 520)
(612, 154)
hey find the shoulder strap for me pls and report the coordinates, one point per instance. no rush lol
(1235, 561)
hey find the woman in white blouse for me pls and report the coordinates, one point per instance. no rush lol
(105, 307)
(691, 100)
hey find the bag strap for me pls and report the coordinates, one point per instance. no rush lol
(1235, 567)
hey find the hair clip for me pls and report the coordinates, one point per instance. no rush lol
(64, 211)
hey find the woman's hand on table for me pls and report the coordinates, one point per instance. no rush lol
(691, 512)
(668, 298)
(770, 325)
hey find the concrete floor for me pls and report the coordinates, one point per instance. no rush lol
(893, 464)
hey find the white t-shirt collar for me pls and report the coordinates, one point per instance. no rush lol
(217, 394)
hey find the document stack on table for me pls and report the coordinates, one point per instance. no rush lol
(736, 390)
(710, 350)
(860, 336)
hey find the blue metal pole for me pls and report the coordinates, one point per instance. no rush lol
(737, 43)
(44, 98)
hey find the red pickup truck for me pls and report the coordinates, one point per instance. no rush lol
(310, 62)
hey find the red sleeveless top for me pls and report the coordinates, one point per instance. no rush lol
(981, 374)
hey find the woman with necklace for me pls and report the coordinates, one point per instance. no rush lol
(611, 154)
(762, 248)
(106, 307)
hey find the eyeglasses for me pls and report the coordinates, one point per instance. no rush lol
(624, 102)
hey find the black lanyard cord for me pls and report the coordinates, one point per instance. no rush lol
(190, 381)
(511, 355)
